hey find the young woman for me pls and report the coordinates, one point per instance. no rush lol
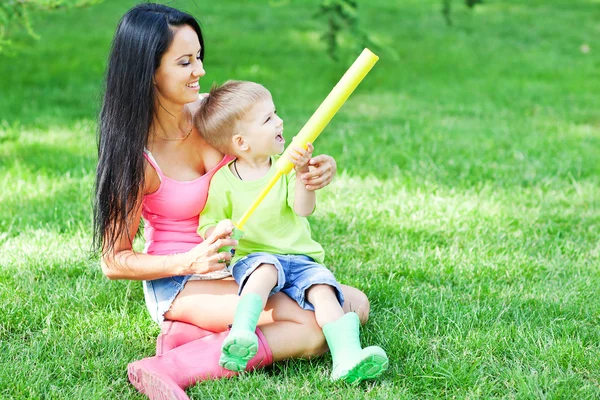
(153, 164)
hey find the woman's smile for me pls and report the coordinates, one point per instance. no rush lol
(194, 85)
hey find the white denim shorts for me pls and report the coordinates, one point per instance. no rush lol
(160, 293)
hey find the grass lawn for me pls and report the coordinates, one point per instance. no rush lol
(467, 203)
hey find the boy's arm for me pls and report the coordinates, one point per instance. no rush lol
(304, 200)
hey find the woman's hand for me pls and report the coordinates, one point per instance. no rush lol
(205, 257)
(322, 169)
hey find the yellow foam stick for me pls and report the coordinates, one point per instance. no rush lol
(319, 120)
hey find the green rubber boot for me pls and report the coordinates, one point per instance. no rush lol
(242, 343)
(352, 363)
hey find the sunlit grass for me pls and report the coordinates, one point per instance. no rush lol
(466, 206)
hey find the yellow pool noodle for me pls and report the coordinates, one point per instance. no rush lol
(332, 103)
(319, 120)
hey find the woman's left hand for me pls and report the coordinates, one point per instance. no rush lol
(322, 169)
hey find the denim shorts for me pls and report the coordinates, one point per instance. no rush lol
(160, 293)
(295, 275)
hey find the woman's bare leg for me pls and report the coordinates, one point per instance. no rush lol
(356, 301)
(289, 330)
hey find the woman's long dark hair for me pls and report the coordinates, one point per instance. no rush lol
(142, 37)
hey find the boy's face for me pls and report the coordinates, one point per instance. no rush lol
(262, 129)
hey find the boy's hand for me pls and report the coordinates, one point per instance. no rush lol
(224, 228)
(206, 257)
(301, 157)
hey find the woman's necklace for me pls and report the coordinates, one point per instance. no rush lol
(185, 136)
(176, 138)
(236, 171)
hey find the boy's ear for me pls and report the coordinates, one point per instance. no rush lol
(239, 143)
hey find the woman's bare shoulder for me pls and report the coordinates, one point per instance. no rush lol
(209, 155)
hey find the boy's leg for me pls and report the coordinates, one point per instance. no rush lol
(261, 282)
(314, 286)
(351, 362)
(257, 280)
(325, 302)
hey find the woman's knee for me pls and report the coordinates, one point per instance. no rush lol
(356, 301)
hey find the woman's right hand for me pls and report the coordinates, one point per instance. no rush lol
(205, 257)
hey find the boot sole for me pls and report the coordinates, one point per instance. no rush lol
(153, 386)
(238, 348)
(369, 367)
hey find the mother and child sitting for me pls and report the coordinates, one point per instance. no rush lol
(155, 166)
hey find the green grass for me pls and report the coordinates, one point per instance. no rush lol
(467, 204)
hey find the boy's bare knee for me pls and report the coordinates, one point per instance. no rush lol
(266, 269)
(320, 287)
(318, 291)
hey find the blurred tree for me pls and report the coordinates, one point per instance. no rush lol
(342, 16)
(447, 8)
(14, 15)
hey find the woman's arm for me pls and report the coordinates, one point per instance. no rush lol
(122, 262)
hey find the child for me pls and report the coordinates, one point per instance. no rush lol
(277, 252)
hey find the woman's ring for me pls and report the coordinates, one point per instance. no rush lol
(221, 260)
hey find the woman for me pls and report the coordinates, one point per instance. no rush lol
(153, 164)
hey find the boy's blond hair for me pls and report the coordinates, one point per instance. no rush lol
(225, 105)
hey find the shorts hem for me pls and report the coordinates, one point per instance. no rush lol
(160, 308)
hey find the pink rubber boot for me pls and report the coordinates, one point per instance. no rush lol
(166, 376)
(175, 333)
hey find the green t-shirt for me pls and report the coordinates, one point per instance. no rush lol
(273, 228)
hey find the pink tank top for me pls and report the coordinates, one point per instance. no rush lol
(171, 213)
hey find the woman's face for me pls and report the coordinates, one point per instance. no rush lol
(180, 68)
